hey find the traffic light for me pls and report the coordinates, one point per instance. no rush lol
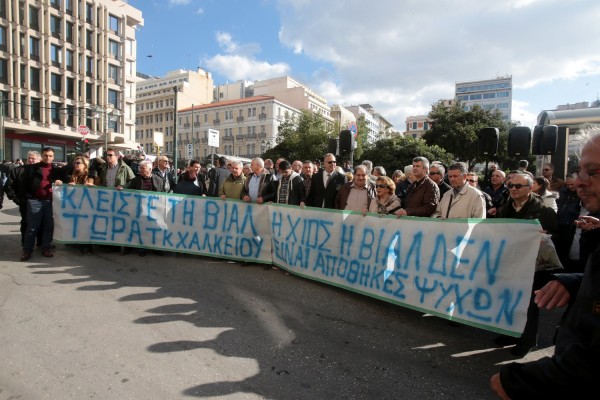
(86, 145)
(79, 147)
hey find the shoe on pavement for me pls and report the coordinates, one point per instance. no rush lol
(47, 253)
(504, 340)
(522, 348)
(25, 256)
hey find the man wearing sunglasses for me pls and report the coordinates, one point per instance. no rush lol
(573, 370)
(524, 204)
(114, 173)
(325, 185)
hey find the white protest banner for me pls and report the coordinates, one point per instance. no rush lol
(477, 272)
(188, 224)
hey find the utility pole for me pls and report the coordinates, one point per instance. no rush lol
(175, 90)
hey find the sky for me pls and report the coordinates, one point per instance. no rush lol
(400, 56)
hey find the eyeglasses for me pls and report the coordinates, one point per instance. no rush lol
(378, 186)
(110, 155)
(516, 185)
(471, 180)
(585, 175)
(331, 162)
(435, 173)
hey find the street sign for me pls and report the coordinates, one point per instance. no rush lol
(354, 129)
(213, 137)
(83, 130)
(189, 151)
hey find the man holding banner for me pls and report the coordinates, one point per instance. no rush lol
(573, 370)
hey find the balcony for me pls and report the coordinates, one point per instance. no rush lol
(205, 140)
(239, 137)
(216, 121)
(196, 124)
(262, 135)
(251, 136)
(240, 119)
(228, 138)
(186, 125)
(262, 116)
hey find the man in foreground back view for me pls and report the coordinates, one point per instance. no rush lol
(573, 370)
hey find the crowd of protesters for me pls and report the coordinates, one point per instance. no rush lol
(421, 189)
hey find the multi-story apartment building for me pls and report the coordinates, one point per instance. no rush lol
(417, 125)
(247, 127)
(372, 122)
(285, 89)
(155, 99)
(343, 116)
(65, 64)
(490, 94)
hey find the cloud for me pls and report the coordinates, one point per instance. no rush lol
(403, 57)
(236, 67)
(200, 11)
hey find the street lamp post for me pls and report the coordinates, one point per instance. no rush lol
(107, 115)
(175, 147)
(2, 133)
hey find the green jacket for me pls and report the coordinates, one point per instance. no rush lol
(232, 187)
(124, 174)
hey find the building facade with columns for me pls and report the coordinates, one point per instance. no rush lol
(66, 64)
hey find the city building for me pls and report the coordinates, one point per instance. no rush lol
(372, 123)
(246, 127)
(66, 64)
(417, 125)
(344, 117)
(490, 94)
(155, 99)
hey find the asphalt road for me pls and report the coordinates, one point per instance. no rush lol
(107, 326)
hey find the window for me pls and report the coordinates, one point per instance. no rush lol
(69, 56)
(35, 109)
(34, 22)
(55, 4)
(414, 125)
(113, 49)
(55, 112)
(113, 73)
(71, 88)
(23, 74)
(69, 32)
(55, 84)
(89, 39)
(2, 37)
(89, 66)
(55, 23)
(113, 24)
(89, 92)
(34, 48)
(426, 125)
(56, 55)
(113, 98)
(88, 12)
(3, 9)
(69, 7)
(3, 70)
(34, 78)
(70, 116)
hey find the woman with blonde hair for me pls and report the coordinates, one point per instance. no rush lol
(386, 201)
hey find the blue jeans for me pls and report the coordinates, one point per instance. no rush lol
(39, 217)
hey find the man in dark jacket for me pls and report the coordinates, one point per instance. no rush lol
(289, 188)
(423, 194)
(258, 183)
(573, 370)
(325, 184)
(15, 191)
(217, 176)
(37, 180)
(524, 204)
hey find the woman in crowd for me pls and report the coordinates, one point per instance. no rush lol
(541, 186)
(398, 176)
(80, 174)
(386, 201)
